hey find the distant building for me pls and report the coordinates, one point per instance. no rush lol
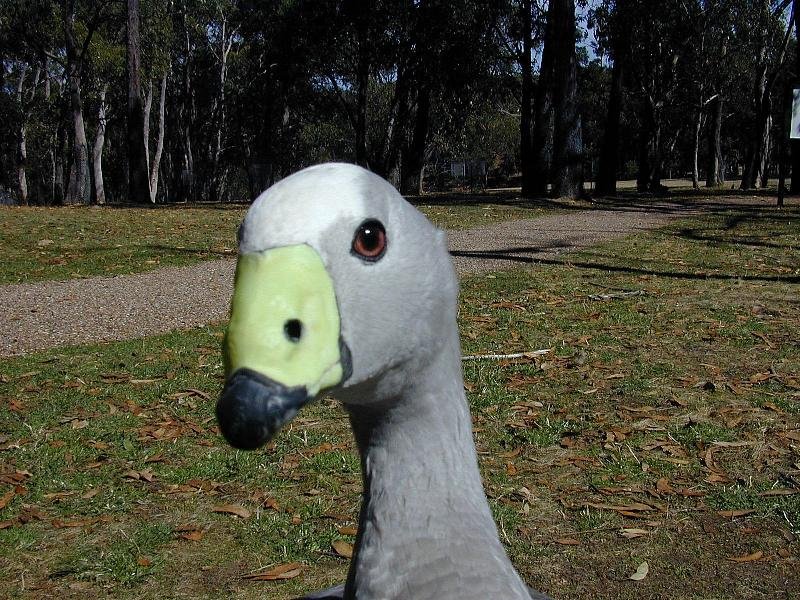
(472, 169)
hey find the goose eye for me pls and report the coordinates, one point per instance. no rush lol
(369, 242)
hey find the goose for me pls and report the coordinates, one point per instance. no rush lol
(343, 287)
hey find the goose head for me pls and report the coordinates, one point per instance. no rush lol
(341, 285)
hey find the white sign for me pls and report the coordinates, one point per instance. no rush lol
(794, 132)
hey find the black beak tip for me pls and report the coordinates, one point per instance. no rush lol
(252, 408)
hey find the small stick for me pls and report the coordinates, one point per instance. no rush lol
(530, 354)
(603, 297)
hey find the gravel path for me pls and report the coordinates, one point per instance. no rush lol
(57, 313)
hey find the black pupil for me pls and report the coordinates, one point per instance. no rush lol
(370, 237)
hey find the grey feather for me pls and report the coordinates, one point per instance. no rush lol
(337, 593)
(425, 531)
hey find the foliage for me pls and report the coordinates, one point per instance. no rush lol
(256, 90)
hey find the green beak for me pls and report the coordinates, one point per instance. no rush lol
(282, 346)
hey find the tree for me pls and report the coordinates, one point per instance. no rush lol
(567, 141)
(771, 44)
(138, 180)
(795, 142)
(616, 43)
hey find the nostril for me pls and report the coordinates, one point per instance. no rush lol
(293, 330)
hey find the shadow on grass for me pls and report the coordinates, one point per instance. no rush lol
(512, 255)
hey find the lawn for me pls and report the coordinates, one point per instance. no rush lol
(63, 243)
(662, 428)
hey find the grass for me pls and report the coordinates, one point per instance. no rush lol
(62, 243)
(653, 415)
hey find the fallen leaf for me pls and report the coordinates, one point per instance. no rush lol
(143, 561)
(342, 548)
(663, 486)
(747, 557)
(6, 524)
(779, 493)
(347, 530)
(568, 542)
(91, 493)
(6, 498)
(193, 536)
(736, 513)
(287, 571)
(232, 509)
(631, 533)
(641, 572)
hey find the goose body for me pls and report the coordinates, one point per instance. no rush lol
(343, 286)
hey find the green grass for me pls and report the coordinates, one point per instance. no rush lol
(694, 384)
(62, 243)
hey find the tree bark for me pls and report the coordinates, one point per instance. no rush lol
(97, 150)
(159, 142)
(148, 105)
(542, 112)
(362, 85)
(567, 139)
(22, 150)
(609, 155)
(526, 148)
(794, 143)
(715, 169)
(698, 128)
(78, 189)
(646, 134)
(138, 185)
(413, 167)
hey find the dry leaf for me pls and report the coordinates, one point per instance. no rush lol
(232, 509)
(631, 533)
(663, 486)
(641, 572)
(347, 530)
(287, 571)
(568, 542)
(6, 524)
(6, 498)
(747, 557)
(779, 493)
(735, 513)
(143, 561)
(193, 536)
(343, 548)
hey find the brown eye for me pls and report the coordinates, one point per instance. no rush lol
(369, 242)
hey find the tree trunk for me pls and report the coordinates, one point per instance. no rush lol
(138, 186)
(159, 142)
(757, 155)
(794, 144)
(78, 189)
(715, 169)
(413, 167)
(698, 127)
(148, 105)
(22, 150)
(22, 160)
(542, 112)
(525, 106)
(58, 162)
(567, 139)
(609, 155)
(97, 151)
(646, 134)
(362, 85)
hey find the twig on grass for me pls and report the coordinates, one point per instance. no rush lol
(530, 354)
(616, 295)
